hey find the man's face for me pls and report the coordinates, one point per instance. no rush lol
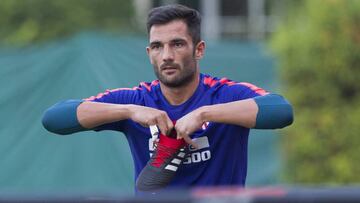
(172, 54)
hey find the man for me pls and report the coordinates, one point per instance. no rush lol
(212, 115)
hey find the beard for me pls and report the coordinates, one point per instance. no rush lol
(184, 77)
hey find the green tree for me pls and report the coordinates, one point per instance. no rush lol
(26, 21)
(318, 47)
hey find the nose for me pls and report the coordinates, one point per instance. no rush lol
(168, 54)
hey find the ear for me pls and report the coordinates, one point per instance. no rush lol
(148, 53)
(199, 50)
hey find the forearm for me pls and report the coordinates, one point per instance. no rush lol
(241, 113)
(263, 112)
(93, 114)
(72, 116)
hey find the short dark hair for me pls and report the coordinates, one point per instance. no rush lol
(165, 14)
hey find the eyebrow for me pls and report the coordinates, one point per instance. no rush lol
(178, 40)
(156, 42)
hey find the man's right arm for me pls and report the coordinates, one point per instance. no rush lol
(72, 116)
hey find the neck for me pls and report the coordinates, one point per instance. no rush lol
(179, 95)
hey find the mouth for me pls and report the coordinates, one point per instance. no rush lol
(169, 71)
(168, 68)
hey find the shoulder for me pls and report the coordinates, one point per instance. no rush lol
(231, 88)
(125, 94)
(225, 83)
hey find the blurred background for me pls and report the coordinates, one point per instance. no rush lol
(52, 50)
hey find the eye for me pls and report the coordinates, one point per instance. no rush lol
(179, 44)
(155, 46)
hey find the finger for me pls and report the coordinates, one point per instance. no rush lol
(149, 122)
(190, 142)
(179, 132)
(183, 134)
(170, 125)
(164, 126)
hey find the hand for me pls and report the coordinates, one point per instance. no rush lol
(188, 124)
(147, 116)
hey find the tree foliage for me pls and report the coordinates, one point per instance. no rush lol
(318, 47)
(26, 21)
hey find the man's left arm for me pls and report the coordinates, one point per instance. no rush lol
(270, 111)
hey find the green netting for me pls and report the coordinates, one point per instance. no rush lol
(34, 78)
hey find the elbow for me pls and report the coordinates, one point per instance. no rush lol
(61, 118)
(286, 116)
(274, 112)
(49, 123)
